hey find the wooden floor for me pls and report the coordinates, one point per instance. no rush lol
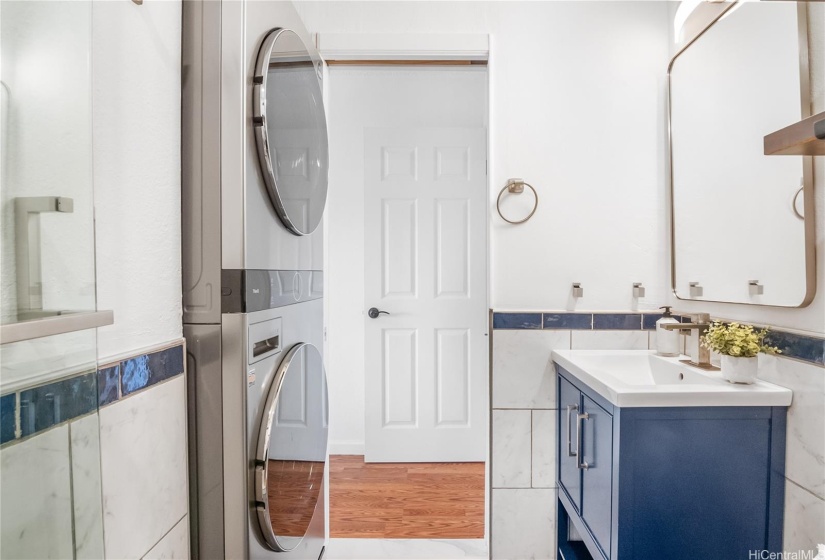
(405, 500)
(292, 488)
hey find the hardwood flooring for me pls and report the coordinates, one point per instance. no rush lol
(405, 500)
(292, 488)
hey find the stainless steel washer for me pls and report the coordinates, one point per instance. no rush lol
(254, 179)
(259, 412)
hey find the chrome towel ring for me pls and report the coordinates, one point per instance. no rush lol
(516, 186)
(794, 204)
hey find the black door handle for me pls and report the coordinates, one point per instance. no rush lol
(374, 312)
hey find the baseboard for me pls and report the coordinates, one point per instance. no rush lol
(346, 447)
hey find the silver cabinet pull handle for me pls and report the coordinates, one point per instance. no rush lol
(570, 452)
(579, 417)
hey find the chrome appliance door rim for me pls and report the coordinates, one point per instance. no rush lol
(262, 453)
(259, 121)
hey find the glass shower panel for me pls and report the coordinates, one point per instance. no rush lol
(47, 250)
(50, 483)
(50, 487)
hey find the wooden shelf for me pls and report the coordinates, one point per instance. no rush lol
(798, 139)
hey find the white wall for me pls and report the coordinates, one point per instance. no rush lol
(577, 110)
(136, 112)
(136, 59)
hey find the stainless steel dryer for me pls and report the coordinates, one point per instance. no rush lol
(254, 180)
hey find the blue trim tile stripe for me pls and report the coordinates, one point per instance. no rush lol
(806, 348)
(517, 320)
(144, 371)
(108, 385)
(8, 404)
(649, 321)
(40, 408)
(572, 321)
(45, 406)
(798, 346)
(617, 321)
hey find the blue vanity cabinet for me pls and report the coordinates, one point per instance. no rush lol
(596, 450)
(569, 474)
(676, 483)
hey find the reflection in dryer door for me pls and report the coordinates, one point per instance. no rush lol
(294, 439)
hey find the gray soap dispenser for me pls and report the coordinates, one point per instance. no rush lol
(667, 342)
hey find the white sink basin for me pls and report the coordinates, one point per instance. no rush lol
(641, 378)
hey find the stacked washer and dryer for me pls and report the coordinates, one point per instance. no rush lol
(254, 188)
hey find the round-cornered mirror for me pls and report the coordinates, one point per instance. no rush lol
(291, 130)
(292, 448)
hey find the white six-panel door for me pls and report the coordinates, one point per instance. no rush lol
(425, 264)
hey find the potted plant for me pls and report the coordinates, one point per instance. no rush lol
(739, 346)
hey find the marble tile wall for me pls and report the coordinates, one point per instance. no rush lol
(524, 411)
(805, 449)
(144, 456)
(99, 453)
(523, 469)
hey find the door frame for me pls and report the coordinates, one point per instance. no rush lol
(424, 50)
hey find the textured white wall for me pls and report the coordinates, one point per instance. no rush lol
(136, 113)
(577, 109)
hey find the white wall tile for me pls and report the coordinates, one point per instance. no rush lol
(544, 449)
(523, 376)
(609, 340)
(88, 508)
(143, 456)
(805, 449)
(35, 497)
(511, 449)
(174, 545)
(524, 524)
(804, 519)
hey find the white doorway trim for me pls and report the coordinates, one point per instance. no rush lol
(404, 46)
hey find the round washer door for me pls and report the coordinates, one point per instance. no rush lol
(292, 448)
(291, 130)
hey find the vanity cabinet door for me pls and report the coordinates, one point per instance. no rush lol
(569, 473)
(597, 471)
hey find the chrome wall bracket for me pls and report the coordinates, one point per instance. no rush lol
(27, 210)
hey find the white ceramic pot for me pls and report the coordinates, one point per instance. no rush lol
(739, 370)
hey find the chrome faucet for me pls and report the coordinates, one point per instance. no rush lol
(694, 331)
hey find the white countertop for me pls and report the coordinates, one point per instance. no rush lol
(640, 378)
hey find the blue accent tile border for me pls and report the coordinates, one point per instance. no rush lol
(8, 404)
(806, 348)
(108, 385)
(617, 321)
(143, 371)
(36, 409)
(798, 346)
(517, 320)
(572, 321)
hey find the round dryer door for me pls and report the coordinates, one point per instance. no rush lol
(292, 448)
(291, 130)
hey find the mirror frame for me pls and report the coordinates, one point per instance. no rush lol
(807, 162)
(261, 470)
(259, 83)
